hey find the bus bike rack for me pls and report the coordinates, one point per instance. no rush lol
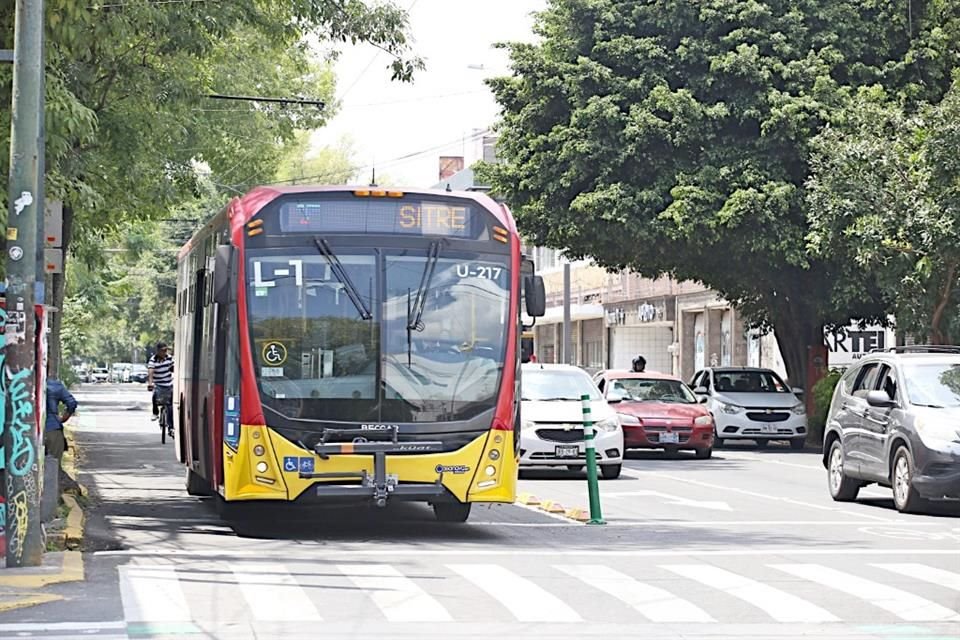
(379, 486)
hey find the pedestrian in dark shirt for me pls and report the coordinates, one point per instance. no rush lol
(54, 442)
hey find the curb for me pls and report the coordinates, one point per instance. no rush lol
(23, 600)
(556, 510)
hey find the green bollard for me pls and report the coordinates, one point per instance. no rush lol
(593, 487)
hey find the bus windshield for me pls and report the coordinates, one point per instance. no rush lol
(366, 335)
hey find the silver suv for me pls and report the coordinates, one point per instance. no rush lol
(895, 420)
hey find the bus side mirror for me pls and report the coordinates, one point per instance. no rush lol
(221, 274)
(535, 296)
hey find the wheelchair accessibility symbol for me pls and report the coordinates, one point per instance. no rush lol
(290, 463)
(274, 354)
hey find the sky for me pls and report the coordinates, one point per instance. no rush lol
(442, 110)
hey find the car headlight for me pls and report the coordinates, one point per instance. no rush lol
(940, 431)
(703, 420)
(730, 408)
(798, 409)
(626, 418)
(527, 424)
(610, 424)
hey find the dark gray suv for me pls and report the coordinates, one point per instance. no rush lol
(895, 420)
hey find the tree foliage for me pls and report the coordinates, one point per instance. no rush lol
(885, 194)
(673, 137)
(129, 120)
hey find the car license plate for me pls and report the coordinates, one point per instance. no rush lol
(567, 451)
(669, 438)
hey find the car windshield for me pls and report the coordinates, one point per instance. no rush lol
(653, 390)
(933, 385)
(748, 382)
(351, 334)
(556, 384)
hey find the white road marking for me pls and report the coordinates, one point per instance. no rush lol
(940, 577)
(654, 603)
(902, 604)
(715, 505)
(391, 551)
(779, 605)
(46, 627)
(730, 455)
(152, 594)
(633, 473)
(272, 594)
(398, 597)
(525, 599)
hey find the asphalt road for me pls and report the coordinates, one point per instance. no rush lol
(745, 545)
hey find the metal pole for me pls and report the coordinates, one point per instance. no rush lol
(593, 485)
(21, 435)
(567, 343)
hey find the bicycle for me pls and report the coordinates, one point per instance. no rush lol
(164, 398)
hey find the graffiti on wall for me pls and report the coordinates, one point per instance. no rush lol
(21, 461)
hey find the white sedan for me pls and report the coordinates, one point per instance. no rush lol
(551, 412)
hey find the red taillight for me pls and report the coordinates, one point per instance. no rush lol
(500, 425)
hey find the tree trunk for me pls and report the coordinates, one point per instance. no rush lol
(54, 349)
(939, 335)
(796, 333)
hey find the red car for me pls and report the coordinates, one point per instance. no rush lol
(658, 411)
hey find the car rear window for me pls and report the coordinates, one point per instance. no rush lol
(547, 384)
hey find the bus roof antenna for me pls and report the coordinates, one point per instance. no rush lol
(448, 188)
(373, 177)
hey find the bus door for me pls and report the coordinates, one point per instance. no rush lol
(197, 384)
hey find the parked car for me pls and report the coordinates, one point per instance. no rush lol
(551, 413)
(99, 374)
(658, 411)
(750, 403)
(138, 373)
(895, 420)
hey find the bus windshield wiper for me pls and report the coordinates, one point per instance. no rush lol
(415, 314)
(342, 276)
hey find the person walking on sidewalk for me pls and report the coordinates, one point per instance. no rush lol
(160, 381)
(54, 441)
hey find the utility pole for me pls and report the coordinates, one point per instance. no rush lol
(567, 342)
(22, 444)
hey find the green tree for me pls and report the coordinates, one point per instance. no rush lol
(327, 165)
(672, 137)
(128, 120)
(885, 195)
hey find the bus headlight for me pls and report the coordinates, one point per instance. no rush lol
(262, 467)
(490, 470)
(258, 450)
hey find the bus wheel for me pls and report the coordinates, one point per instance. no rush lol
(196, 484)
(452, 511)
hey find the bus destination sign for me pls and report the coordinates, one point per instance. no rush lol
(395, 216)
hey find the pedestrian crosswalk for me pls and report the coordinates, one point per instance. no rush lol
(178, 590)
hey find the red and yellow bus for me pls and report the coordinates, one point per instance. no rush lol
(353, 344)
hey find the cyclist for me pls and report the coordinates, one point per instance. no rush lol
(160, 381)
(639, 364)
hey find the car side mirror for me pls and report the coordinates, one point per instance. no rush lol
(223, 265)
(880, 399)
(701, 391)
(615, 396)
(535, 295)
(798, 391)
